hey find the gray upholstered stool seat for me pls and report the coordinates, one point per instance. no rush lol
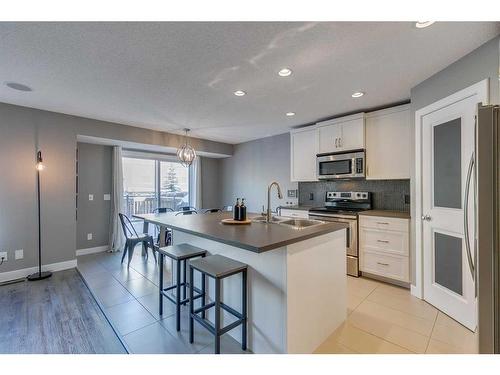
(217, 267)
(180, 253)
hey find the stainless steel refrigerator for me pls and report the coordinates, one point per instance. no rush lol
(487, 270)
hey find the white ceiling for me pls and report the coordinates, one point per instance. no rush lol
(168, 76)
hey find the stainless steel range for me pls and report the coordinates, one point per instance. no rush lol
(344, 206)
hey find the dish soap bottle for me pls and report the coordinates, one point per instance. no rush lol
(243, 210)
(237, 210)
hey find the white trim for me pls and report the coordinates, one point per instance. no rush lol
(481, 90)
(149, 155)
(54, 267)
(92, 250)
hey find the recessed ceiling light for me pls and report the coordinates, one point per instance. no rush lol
(239, 93)
(285, 72)
(358, 94)
(18, 86)
(290, 114)
(423, 24)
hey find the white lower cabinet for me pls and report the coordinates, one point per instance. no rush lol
(302, 214)
(384, 247)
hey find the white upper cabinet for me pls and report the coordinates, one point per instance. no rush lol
(388, 144)
(342, 134)
(303, 147)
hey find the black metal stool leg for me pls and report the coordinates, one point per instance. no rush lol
(131, 248)
(204, 295)
(191, 305)
(178, 297)
(161, 284)
(244, 310)
(217, 316)
(185, 279)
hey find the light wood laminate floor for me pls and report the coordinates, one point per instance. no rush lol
(387, 319)
(55, 315)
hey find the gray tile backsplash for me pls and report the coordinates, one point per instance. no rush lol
(386, 194)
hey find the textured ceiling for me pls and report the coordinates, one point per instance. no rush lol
(168, 76)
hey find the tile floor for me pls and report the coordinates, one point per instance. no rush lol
(129, 298)
(386, 319)
(381, 318)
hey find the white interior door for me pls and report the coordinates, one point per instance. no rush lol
(447, 150)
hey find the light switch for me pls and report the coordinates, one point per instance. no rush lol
(107, 197)
(19, 254)
(91, 197)
(89, 236)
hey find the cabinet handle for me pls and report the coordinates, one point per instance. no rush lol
(336, 139)
(383, 264)
(383, 241)
(381, 222)
(340, 142)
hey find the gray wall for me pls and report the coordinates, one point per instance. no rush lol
(94, 177)
(21, 128)
(210, 182)
(252, 167)
(480, 64)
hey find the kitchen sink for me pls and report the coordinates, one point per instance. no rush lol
(301, 223)
(274, 219)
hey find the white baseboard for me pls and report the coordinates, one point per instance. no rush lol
(19, 274)
(416, 292)
(92, 250)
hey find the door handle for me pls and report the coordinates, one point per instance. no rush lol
(466, 217)
(426, 217)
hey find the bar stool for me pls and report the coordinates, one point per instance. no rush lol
(180, 254)
(217, 267)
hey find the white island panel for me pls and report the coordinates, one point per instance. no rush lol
(296, 294)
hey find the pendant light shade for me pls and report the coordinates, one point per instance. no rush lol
(186, 153)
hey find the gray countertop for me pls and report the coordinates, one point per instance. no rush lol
(296, 207)
(387, 213)
(257, 237)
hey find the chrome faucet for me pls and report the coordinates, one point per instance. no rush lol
(280, 196)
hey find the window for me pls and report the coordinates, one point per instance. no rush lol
(152, 182)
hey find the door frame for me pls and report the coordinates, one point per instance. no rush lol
(481, 90)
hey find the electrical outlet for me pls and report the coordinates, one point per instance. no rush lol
(89, 236)
(91, 197)
(19, 254)
(107, 197)
(3, 255)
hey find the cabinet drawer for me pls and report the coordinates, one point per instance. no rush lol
(303, 214)
(384, 241)
(384, 223)
(390, 266)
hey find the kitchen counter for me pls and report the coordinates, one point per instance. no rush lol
(257, 237)
(387, 213)
(297, 285)
(296, 207)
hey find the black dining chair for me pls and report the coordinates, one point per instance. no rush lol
(212, 210)
(187, 208)
(186, 212)
(168, 232)
(133, 238)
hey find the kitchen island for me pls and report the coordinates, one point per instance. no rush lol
(296, 277)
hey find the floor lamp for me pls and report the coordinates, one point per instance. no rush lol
(39, 275)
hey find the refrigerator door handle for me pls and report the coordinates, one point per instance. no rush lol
(466, 218)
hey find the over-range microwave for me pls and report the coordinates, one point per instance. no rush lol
(338, 165)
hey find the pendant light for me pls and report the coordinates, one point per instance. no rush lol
(186, 153)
